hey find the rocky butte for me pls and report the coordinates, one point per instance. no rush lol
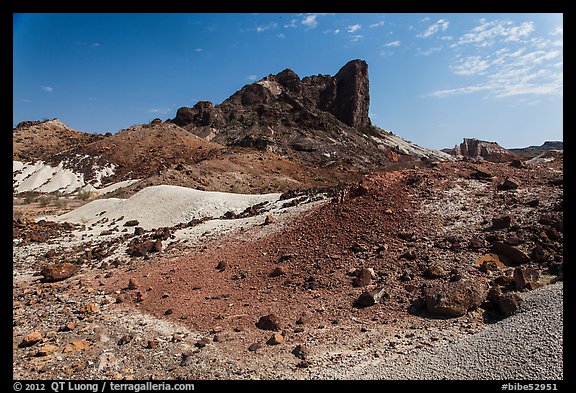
(319, 120)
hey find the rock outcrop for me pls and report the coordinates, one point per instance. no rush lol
(489, 151)
(321, 120)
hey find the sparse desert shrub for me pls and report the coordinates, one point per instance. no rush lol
(84, 195)
(61, 203)
(44, 200)
(17, 214)
(30, 198)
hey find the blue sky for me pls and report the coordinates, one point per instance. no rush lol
(434, 78)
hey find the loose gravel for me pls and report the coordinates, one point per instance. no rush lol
(528, 345)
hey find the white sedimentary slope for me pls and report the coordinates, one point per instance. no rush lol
(161, 206)
(405, 147)
(41, 177)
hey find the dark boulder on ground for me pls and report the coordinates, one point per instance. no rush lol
(456, 298)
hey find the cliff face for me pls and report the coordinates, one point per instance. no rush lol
(318, 119)
(490, 151)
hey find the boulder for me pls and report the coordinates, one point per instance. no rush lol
(363, 278)
(509, 184)
(370, 298)
(275, 339)
(30, 339)
(526, 278)
(59, 272)
(508, 303)
(269, 322)
(434, 270)
(131, 223)
(501, 222)
(455, 298)
(513, 254)
(278, 271)
(300, 351)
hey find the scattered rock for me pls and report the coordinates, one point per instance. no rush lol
(455, 299)
(275, 339)
(133, 283)
(501, 222)
(278, 271)
(525, 277)
(363, 278)
(89, 308)
(513, 241)
(476, 243)
(59, 271)
(202, 342)
(46, 350)
(169, 312)
(157, 246)
(131, 223)
(513, 254)
(269, 322)
(509, 303)
(370, 298)
(509, 184)
(77, 346)
(138, 231)
(269, 219)
(255, 346)
(517, 164)
(140, 296)
(221, 266)
(125, 339)
(30, 339)
(152, 344)
(533, 202)
(300, 351)
(538, 254)
(68, 327)
(434, 270)
(489, 262)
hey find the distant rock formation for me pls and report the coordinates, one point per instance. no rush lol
(534, 151)
(320, 120)
(475, 148)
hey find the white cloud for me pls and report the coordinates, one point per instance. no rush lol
(392, 43)
(379, 24)
(47, 89)
(356, 38)
(503, 58)
(440, 25)
(292, 24)
(25, 100)
(429, 51)
(470, 66)
(386, 53)
(336, 31)
(558, 31)
(252, 77)
(198, 50)
(487, 34)
(310, 21)
(95, 45)
(281, 36)
(354, 28)
(447, 38)
(263, 28)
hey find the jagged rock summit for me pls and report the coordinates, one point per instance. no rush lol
(319, 120)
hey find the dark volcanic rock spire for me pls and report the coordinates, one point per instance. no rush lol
(351, 99)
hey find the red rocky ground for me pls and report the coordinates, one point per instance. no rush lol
(417, 229)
